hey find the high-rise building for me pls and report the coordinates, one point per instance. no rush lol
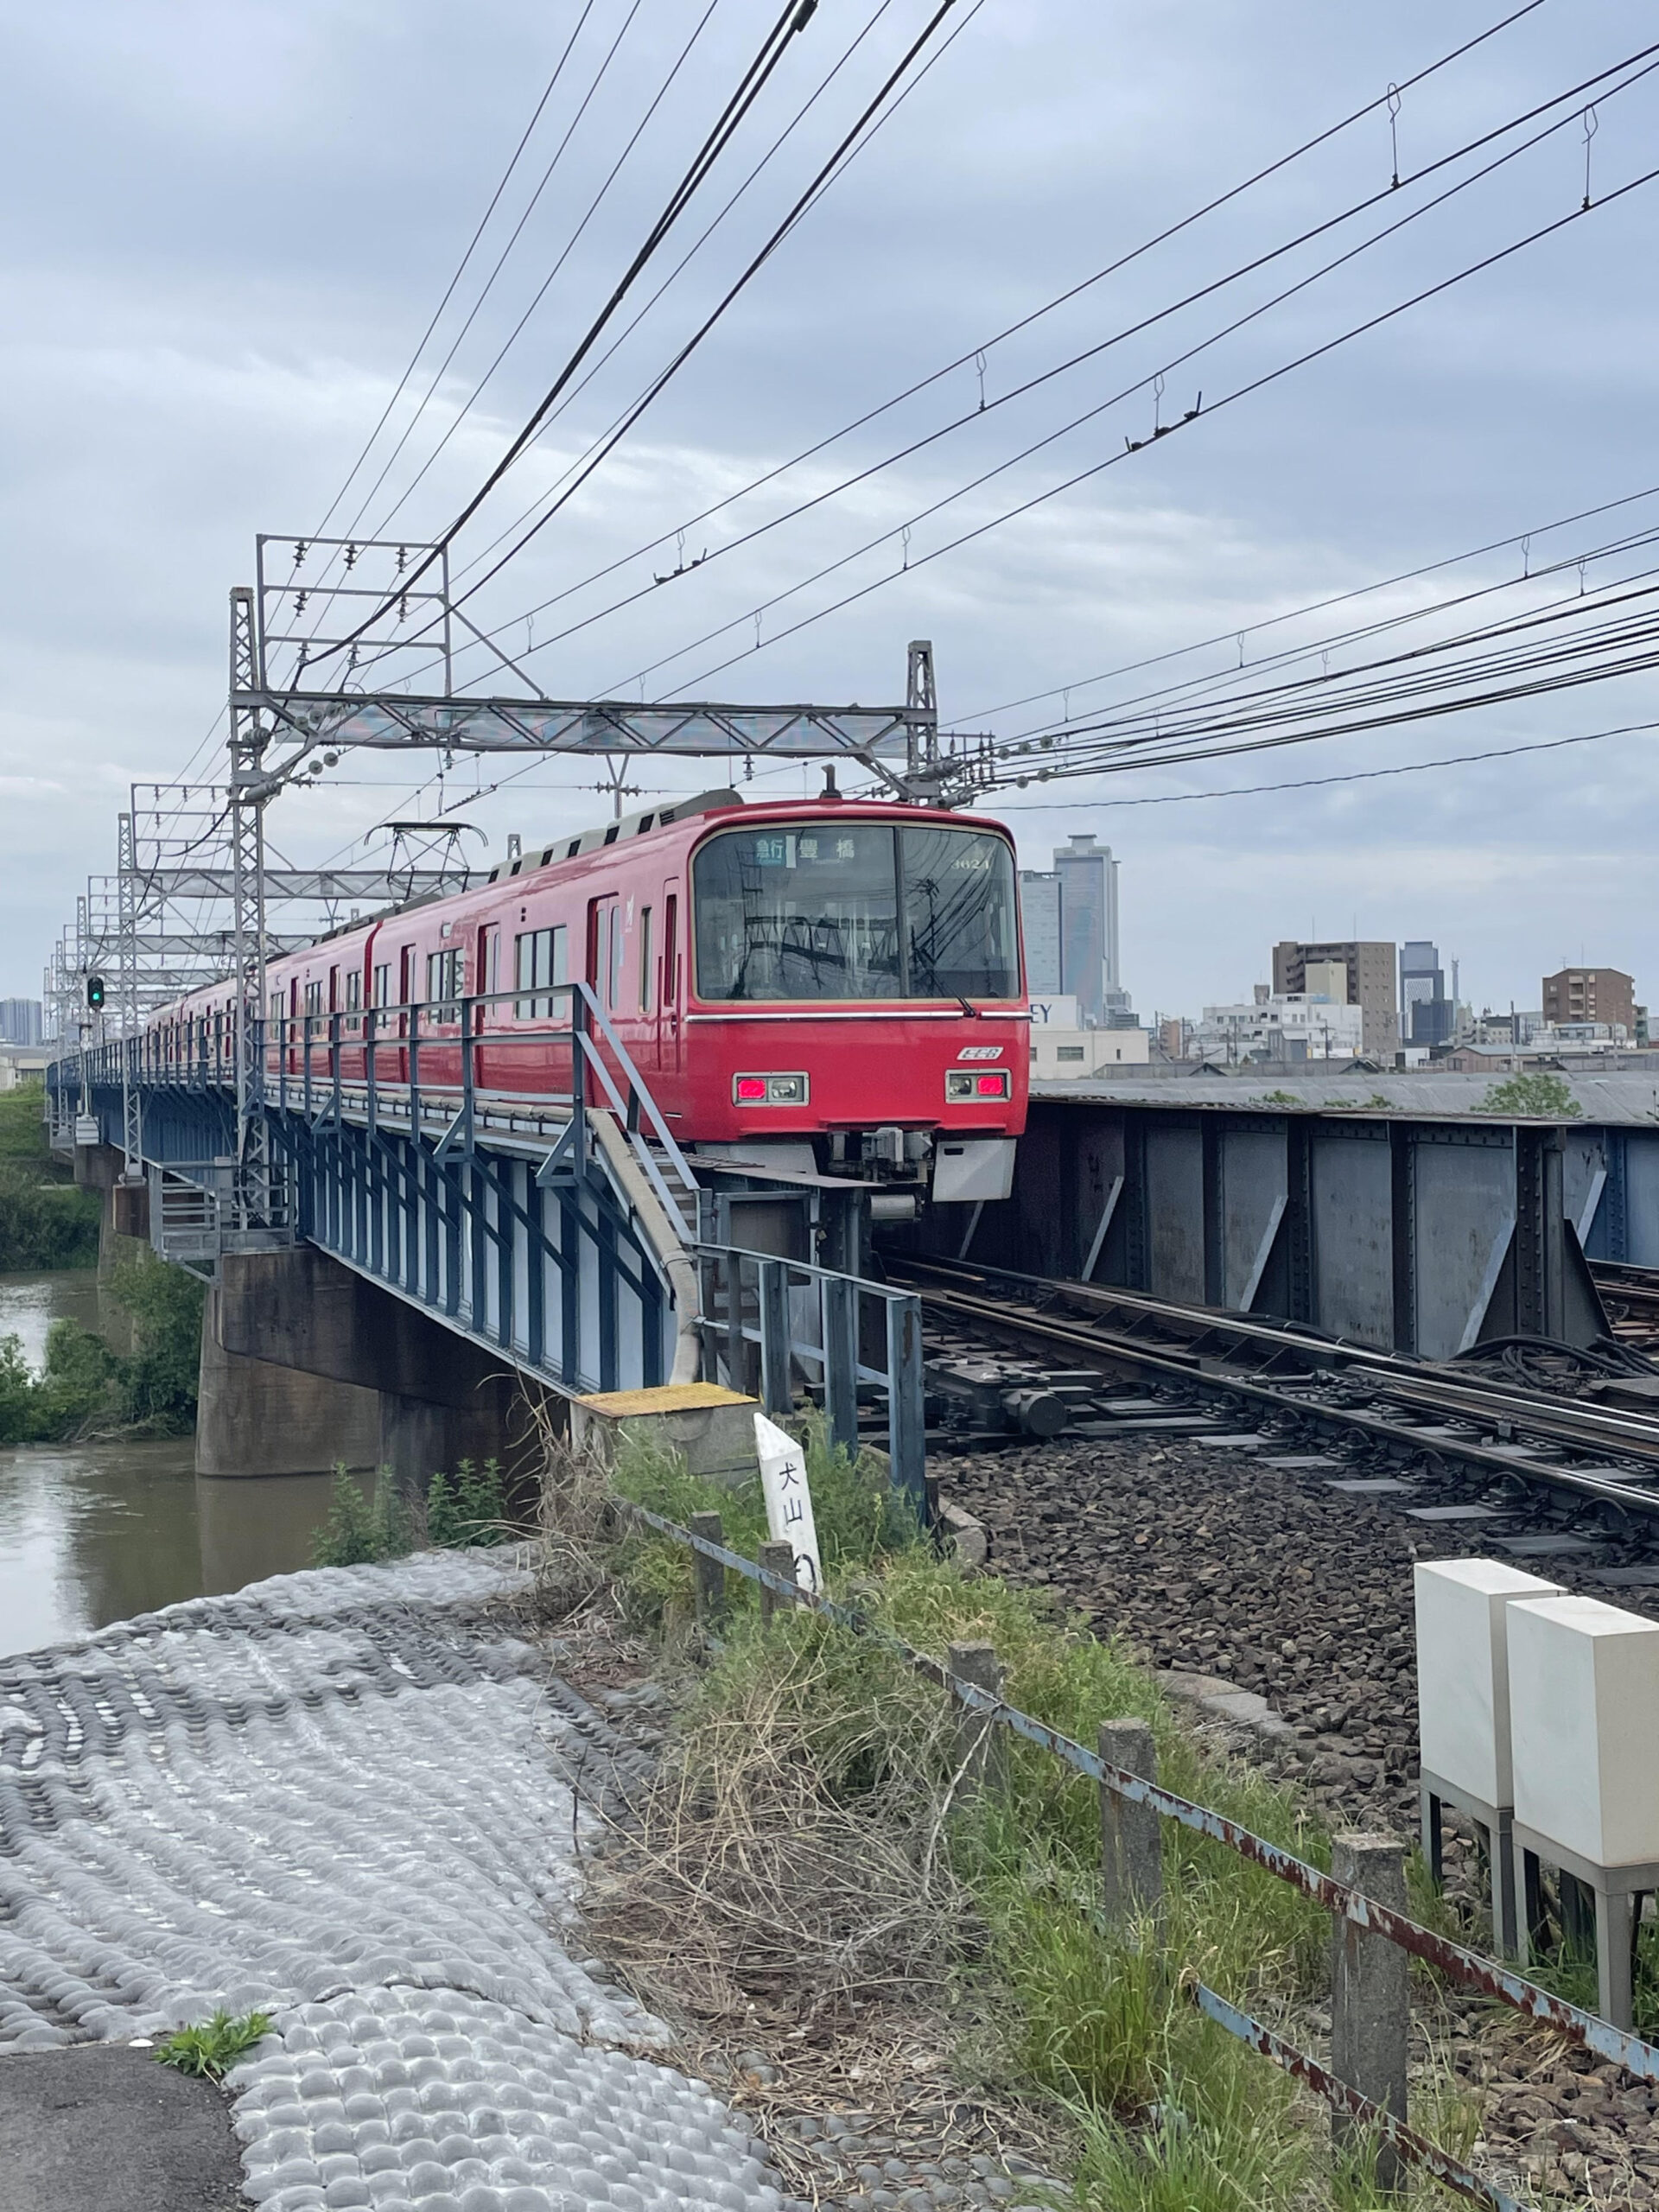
(1039, 909)
(1591, 994)
(21, 1021)
(1367, 968)
(1426, 1015)
(1070, 918)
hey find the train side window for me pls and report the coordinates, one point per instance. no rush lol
(645, 976)
(314, 996)
(613, 988)
(672, 951)
(446, 979)
(382, 993)
(538, 960)
(353, 1000)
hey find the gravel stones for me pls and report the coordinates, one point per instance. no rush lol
(345, 1798)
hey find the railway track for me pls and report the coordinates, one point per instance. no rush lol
(1010, 1357)
(1631, 1298)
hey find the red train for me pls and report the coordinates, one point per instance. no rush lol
(833, 974)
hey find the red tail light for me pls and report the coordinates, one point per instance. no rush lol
(750, 1089)
(991, 1086)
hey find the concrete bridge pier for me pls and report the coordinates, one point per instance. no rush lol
(305, 1362)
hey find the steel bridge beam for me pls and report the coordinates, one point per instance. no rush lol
(392, 722)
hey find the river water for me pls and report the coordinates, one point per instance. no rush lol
(94, 1533)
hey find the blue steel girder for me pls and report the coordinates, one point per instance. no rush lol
(467, 1235)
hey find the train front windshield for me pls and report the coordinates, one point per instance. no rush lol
(860, 910)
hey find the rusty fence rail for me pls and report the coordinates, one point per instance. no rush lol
(1364, 1916)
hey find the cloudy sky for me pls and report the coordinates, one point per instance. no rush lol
(226, 228)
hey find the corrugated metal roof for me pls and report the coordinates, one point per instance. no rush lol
(1619, 1100)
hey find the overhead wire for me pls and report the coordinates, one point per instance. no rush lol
(450, 289)
(1521, 537)
(1246, 389)
(570, 245)
(1323, 645)
(577, 388)
(976, 415)
(1033, 316)
(1347, 776)
(755, 264)
(794, 18)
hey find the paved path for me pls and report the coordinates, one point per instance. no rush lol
(342, 1797)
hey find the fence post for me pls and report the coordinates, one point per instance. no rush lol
(778, 1557)
(906, 1448)
(1370, 1994)
(1131, 1836)
(774, 1339)
(708, 1575)
(982, 1748)
(839, 1296)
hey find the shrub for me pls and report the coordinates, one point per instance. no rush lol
(45, 1222)
(361, 1530)
(469, 1511)
(74, 1386)
(1547, 1098)
(158, 1383)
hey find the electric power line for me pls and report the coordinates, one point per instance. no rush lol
(1230, 399)
(1023, 323)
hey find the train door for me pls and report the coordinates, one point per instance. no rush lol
(406, 972)
(488, 1020)
(670, 967)
(605, 946)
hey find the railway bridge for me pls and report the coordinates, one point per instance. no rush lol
(405, 1267)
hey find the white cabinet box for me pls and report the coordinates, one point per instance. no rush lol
(1583, 1725)
(1463, 1673)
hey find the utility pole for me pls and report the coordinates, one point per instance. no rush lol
(248, 740)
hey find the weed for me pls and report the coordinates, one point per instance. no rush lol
(859, 1520)
(211, 2048)
(467, 1511)
(1219, 2134)
(804, 1855)
(360, 1530)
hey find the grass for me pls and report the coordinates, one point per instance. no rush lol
(806, 1752)
(212, 2047)
(45, 1222)
(859, 1522)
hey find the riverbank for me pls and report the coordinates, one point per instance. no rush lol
(45, 1222)
(348, 1797)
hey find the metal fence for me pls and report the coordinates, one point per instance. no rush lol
(783, 1317)
(1365, 1921)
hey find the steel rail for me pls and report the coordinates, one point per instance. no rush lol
(1137, 1354)
(1484, 1397)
